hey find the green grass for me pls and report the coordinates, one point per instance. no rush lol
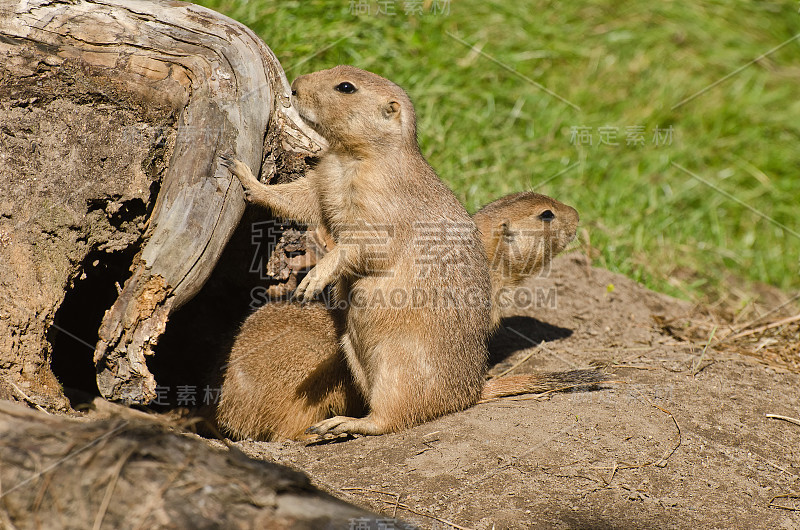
(488, 131)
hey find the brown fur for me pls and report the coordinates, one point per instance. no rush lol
(286, 371)
(373, 191)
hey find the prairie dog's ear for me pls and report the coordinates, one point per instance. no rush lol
(391, 110)
(505, 229)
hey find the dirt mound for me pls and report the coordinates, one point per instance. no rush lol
(682, 441)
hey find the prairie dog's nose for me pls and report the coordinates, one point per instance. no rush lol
(296, 85)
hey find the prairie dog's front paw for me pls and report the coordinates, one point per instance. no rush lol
(242, 172)
(312, 285)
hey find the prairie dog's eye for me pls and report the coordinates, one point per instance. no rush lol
(345, 88)
(547, 215)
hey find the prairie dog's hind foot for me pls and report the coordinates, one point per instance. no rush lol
(345, 424)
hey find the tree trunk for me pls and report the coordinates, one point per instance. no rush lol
(151, 92)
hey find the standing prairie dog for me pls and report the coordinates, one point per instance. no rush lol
(399, 232)
(287, 372)
(401, 236)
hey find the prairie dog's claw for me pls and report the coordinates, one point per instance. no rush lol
(309, 287)
(243, 173)
(345, 424)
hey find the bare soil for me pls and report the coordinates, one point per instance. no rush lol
(680, 441)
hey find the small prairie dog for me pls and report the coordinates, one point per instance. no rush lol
(399, 231)
(287, 372)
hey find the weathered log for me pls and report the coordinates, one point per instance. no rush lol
(227, 94)
(129, 471)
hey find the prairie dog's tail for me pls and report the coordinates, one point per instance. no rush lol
(511, 385)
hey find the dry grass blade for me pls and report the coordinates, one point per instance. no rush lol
(519, 363)
(696, 367)
(784, 418)
(662, 462)
(423, 514)
(785, 496)
(397, 504)
(98, 521)
(781, 322)
(27, 398)
(389, 493)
